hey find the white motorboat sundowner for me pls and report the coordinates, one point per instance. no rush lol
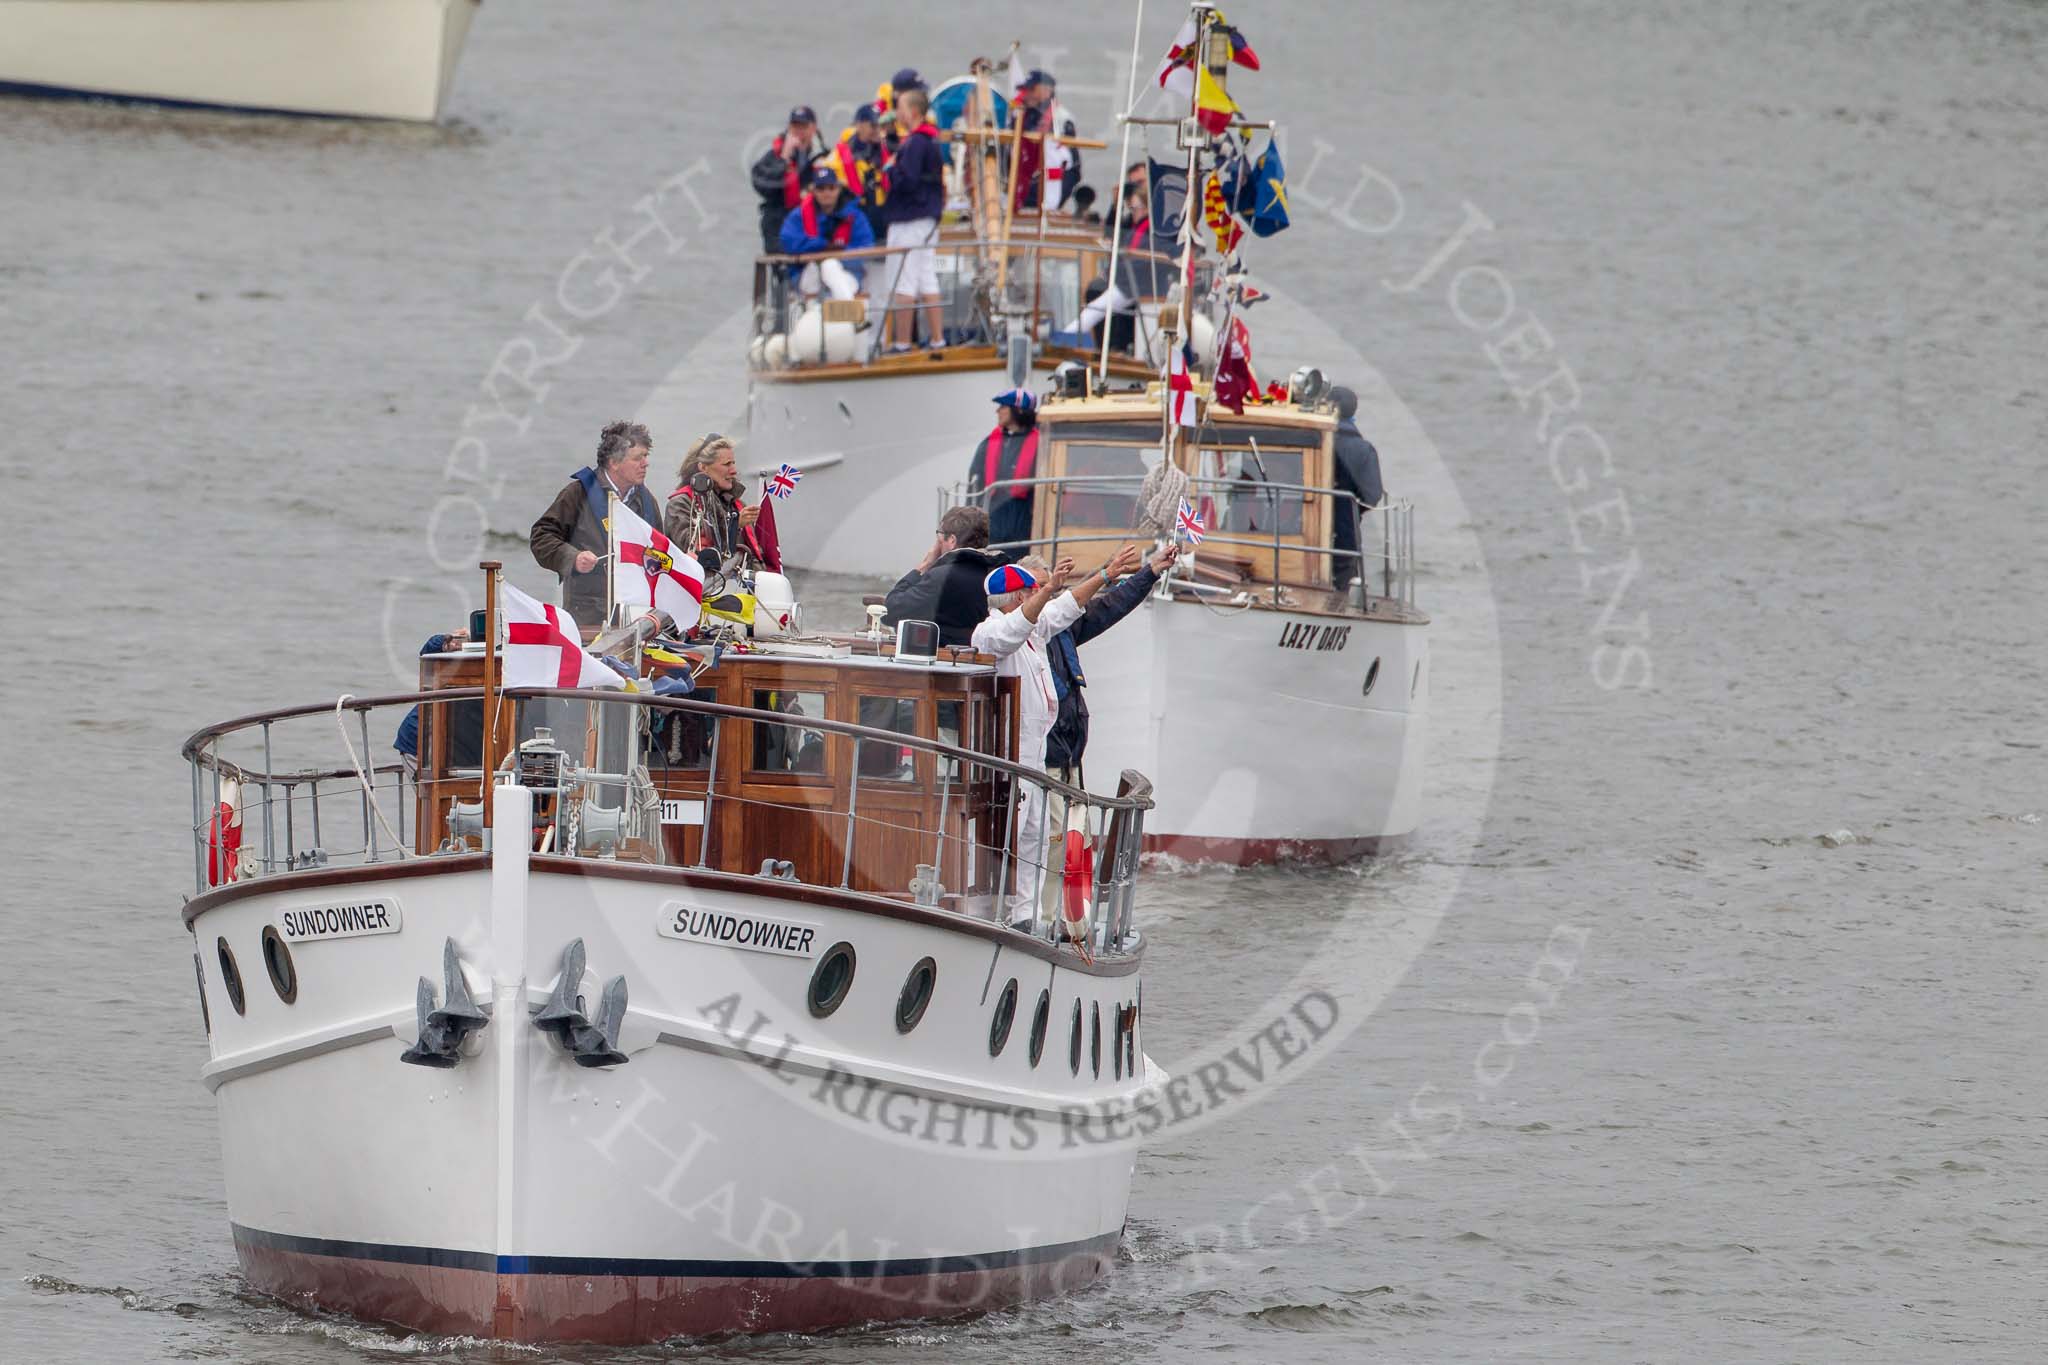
(699, 1021)
(392, 59)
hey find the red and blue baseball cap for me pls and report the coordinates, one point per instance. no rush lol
(1019, 399)
(1008, 578)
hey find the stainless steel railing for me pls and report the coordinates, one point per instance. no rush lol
(1043, 293)
(858, 791)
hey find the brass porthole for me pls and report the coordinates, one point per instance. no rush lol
(230, 975)
(1040, 1017)
(917, 993)
(1074, 1043)
(277, 960)
(1006, 1014)
(832, 979)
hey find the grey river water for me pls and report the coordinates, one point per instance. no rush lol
(1659, 1073)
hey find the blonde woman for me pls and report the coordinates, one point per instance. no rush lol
(709, 487)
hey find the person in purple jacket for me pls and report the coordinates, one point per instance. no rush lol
(917, 196)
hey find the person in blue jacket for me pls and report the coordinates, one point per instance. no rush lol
(826, 219)
(917, 197)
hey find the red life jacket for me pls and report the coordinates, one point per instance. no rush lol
(1027, 460)
(1138, 235)
(842, 232)
(849, 170)
(792, 188)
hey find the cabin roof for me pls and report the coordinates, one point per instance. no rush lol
(1141, 408)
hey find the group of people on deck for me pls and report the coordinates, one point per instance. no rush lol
(707, 512)
(883, 184)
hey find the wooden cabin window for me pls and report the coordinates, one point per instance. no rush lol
(950, 714)
(1113, 507)
(1248, 510)
(681, 740)
(788, 748)
(888, 762)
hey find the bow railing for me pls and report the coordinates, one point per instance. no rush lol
(871, 810)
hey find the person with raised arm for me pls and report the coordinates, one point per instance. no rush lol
(1028, 604)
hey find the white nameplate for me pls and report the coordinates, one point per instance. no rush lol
(727, 929)
(351, 919)
(678, 811)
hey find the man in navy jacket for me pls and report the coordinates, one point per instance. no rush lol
(1069, 735)
(917, 196)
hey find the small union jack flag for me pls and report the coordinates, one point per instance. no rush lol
(783, 482)
(1190, 524)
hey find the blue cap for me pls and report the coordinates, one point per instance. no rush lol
(822, 174)
(803, 113)
(1019, 399)
(906, 79)
(1035, 76)
(1008, 578)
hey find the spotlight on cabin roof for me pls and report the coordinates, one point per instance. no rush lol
(1307, 386)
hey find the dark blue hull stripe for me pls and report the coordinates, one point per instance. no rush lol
(443, 1258)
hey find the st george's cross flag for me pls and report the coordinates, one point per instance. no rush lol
(543, 649)
(652, 572)
(1180, 387)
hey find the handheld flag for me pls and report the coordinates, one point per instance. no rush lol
(1188, 524)
(652, 572)
(542, 648)
(1213, 105)
(783, 481)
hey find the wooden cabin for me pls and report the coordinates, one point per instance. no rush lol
(741, 791)
(1252, 475)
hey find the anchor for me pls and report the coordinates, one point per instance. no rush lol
(590, 1043)
(442, 1031)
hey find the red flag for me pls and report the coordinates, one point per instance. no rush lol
(1234, 379)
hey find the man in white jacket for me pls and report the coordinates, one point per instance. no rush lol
(1027, 606)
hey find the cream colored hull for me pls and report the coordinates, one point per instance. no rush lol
(366, 58)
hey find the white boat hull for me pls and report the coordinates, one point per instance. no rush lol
(749, 1167)
(1257, 729)
(366, 58)
(875, 456)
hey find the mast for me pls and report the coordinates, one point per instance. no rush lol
(1198, 138)
(491, 568)
(1116, 237)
